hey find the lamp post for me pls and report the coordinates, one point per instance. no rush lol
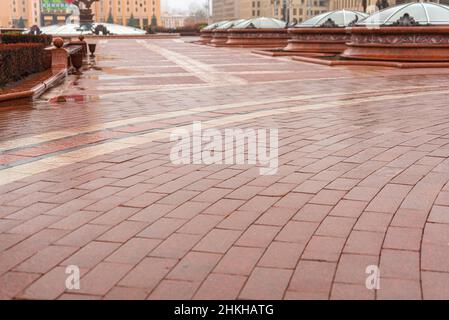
(284, 11)
(274, 7)
(309, 9)
(286, 8)
(208, 8)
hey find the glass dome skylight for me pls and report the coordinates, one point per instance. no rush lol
(423, 13)
(75, 29)
(215, 25)
(261, 23)
(229, 24)
(342, 18)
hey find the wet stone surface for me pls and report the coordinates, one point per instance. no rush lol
(86, 179)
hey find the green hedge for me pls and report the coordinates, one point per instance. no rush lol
(20, 60)
(26, 38)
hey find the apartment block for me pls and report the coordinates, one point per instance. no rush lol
(48, 12)
(298, 10)
(121, 11)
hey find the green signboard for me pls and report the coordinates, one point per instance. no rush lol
(52, 5)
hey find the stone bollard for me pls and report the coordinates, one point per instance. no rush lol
(59, 55)
(83, 43)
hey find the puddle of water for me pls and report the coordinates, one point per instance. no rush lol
(16, 104)
(77, 98)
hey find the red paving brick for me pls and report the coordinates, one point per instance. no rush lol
(324, 249)
(103, 277)
(90, 255)
(194, 267)
(258, 236)
(361, 182)
(220, 287)
(364, 242)
(174, 290)
(282, 255)
(13, 283)
(313, 276)
(344, 291)
(265, 283)
(218, 241)
(148, 273)
(239, 261)
(49, 286)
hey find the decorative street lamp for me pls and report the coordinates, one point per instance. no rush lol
(286, 8)
(382, 4)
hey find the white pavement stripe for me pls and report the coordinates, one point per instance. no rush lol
(201, 70)
(21, 171)
(54, 135)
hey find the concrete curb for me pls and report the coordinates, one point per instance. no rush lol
(38, 89)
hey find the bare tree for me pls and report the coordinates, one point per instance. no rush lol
(197, 14)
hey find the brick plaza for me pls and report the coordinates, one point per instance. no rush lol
(363, 180)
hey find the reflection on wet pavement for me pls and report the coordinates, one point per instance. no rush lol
(363, 180)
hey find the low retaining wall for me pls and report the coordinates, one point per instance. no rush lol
(407, 44)
(257, 38)
(206, 36)
(322, 40)
(143, 36)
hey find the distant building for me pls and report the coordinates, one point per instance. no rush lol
(54, 12)
(228, 9)
(140, 13)
(358, 5)
(22, 13)
(371, 4)
(298, 10)
(5, 14)
(172, 21)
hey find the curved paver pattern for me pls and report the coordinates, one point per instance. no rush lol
(86, 179)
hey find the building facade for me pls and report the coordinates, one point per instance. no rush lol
(225, 10)
(358, 4)
(140, 13)
(371, 4)
(172, 21)
(20, 13)
(5, 14)
(298, 10)
(54, 12)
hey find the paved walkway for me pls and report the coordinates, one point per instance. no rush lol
(86, 180)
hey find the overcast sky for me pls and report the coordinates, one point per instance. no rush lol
(182, 4)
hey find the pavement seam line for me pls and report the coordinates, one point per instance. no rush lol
(22, 171)
(55, 135)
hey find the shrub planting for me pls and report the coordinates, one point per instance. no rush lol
(20, 60)
(26, 38)
(183, 31)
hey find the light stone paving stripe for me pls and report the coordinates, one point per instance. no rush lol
(55, 135)
(22, 171)
(143, 76)
(181, 74)
(201, 70)
(145, 89)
